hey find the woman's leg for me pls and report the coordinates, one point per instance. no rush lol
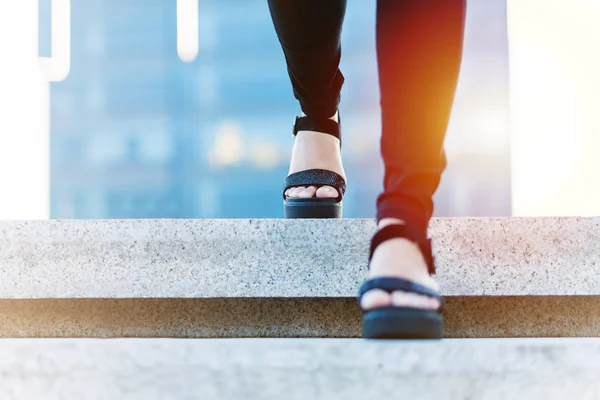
(419, 48)
(310, 33)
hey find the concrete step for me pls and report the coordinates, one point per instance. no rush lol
(221, 278)
(299, 368)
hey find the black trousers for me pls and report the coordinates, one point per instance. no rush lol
(419, 49)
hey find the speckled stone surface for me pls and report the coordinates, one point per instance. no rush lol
(330, 369)
(286, 258)
(466, 317)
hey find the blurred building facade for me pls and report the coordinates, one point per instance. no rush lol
(137, 133)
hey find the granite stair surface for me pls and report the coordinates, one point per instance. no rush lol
(253, 369)
(501, 277)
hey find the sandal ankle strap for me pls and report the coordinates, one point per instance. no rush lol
(402, 231)
(322, 125)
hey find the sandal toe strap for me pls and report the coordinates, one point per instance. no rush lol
(390, 284)
(316, 177)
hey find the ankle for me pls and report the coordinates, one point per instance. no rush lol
(334, 117)
(389, 221)
(398, 253)
(325, 143)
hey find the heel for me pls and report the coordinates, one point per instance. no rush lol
(402, 323)
(312, 208)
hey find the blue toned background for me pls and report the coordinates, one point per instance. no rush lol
(137, 133)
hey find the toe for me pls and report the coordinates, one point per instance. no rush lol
(374, 299)
(308, 192)
(327, 192)
(295, 191)
(404, 299)
(299, 190)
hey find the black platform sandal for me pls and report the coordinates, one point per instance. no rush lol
(315, 207)
(401, 322)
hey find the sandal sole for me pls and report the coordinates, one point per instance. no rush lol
(312, 208)
(402, 323)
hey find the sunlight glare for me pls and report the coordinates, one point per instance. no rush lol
(187, 30)
(24, 116)
(57, 67)
(554, 49)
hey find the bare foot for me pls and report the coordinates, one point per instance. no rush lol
(315, 150)
(400, 258)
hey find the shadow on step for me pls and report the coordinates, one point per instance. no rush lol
(527, 316)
